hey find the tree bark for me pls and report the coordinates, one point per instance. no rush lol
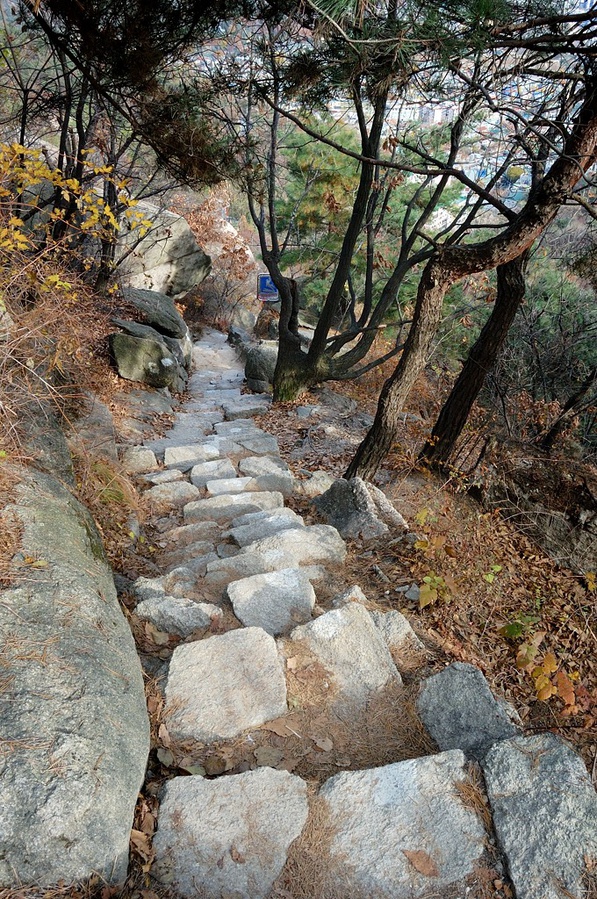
(481, 359)
(452, 263)
(571, 408)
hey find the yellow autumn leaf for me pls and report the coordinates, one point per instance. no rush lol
(550, 663)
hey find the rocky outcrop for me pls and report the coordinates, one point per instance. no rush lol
(75, 730)
(167, 259)
(359, 509)
(158, 351)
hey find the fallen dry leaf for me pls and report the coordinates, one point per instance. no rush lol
(277, 726)
(422, 861)
(268, 756)
(326, 745)
(236, 856)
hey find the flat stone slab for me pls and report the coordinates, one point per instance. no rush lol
(184, 457)
(260, 444)
(244, 406)
(239, 426)
(275, 601)
(256, 525)
(177, 615)
(301, 546)
(171, 495)
(227, 506)
(350, 647)
(545, 814)
(136, 459)
(401, 831)
(254, 466)
(219, 687)
(269, 473)
(208, 471)
(460, 711)
(185, 534)
(237, 845)
(228, 485)
(164, 477)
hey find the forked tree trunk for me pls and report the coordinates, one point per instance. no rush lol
(452, 263)
(481, 359)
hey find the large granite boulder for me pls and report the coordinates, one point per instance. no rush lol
(359, 509)
(167, 259)
(156, 351)
(260, 366)
(75, 730)
(146, 360)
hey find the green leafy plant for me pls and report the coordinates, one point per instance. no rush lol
(434, 588)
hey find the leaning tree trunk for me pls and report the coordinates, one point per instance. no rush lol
(571, 408)
(452, 263)
(481, 359)
(378, 442)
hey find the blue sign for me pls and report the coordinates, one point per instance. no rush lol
(266, 289)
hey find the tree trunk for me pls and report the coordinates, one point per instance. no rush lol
(378, 442)
(573, 405)
(481, 359)
(452, 263)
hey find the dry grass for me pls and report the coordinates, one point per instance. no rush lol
(307, 873)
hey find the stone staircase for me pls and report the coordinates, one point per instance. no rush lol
(291, 758)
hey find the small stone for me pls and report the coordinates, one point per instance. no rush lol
(137, 459)
(237, 845)
(219, 687)
(275, 601)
